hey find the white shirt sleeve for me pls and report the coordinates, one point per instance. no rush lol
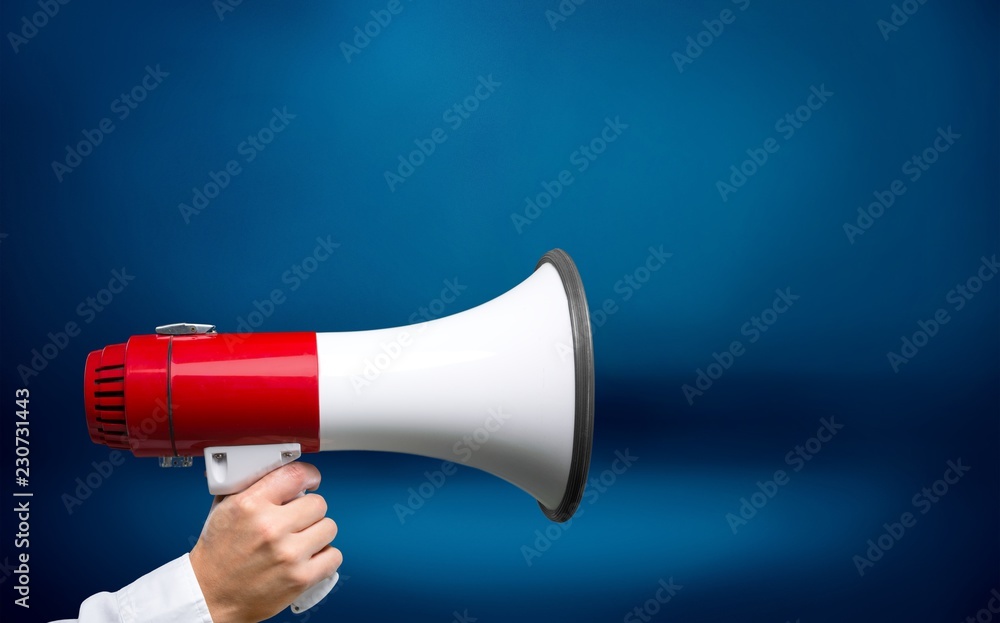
(170, 593)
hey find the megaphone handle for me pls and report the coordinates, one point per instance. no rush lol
(231, 469)
(315, 593)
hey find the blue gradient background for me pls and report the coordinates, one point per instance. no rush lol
(663, 518)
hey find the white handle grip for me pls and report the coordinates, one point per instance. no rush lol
(231, 469)
(314, 594)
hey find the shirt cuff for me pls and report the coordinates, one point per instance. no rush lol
(169, 593)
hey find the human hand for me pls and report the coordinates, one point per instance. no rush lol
(260, 549)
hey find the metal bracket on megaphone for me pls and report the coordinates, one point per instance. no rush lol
(184, 328)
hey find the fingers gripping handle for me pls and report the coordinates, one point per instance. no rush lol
(231, 469)
(315, 593)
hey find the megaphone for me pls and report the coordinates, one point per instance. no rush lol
(506, 387)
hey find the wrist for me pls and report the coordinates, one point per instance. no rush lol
(220, 609)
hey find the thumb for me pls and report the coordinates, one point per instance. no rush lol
(216, 500)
